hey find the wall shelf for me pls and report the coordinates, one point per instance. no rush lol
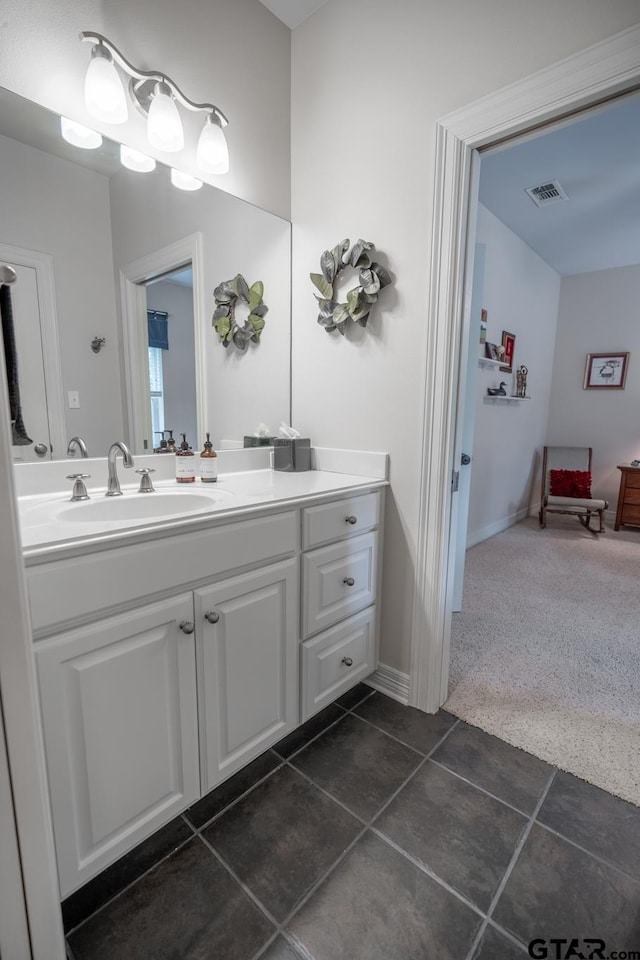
(486, 362)
(501, 399)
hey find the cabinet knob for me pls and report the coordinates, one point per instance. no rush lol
(212, 616)
(351, 519)
(348, 662)
(348, 581)
(187, 626)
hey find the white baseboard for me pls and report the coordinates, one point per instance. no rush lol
(390, 681)
(497, 527)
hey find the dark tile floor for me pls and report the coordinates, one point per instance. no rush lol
(375, 832)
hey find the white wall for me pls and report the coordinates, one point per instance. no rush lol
(243, 389)
(369, 80)
(53, 206)
(598, 314)
(521, 295)
(178, 362)
(233, 53)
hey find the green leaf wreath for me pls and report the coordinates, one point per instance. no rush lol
(372, 276)
(226, 295)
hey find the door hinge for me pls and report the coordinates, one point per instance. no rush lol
(455, 477)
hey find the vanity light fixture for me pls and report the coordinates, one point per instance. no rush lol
(136, 161)
(157, 97)
(79, 136)
(184, 181)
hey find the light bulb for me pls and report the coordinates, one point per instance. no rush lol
(213, 154)
(164, 126)
(184, 181)
(103, 92)
(78, 135)
(134, 160)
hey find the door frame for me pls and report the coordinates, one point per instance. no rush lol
(42, 263)
(133, 300)
(585, 79)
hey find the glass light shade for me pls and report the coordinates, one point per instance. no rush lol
(213, 154)
(164, 126)
(103, 91)
(184, 181)
(78, 135)
(134, 160)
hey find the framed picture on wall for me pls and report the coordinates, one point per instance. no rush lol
(491, 351)
(509, 344)
(605, 371)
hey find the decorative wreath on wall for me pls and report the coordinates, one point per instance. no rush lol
(372, 276)
(227, 294)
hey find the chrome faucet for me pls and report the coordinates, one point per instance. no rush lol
(79, 444)
(113, 484)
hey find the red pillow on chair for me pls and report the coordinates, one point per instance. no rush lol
(570, 483)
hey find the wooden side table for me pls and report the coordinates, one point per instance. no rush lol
(628, 511)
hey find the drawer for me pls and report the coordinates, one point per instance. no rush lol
(341, 518)
(632, 479)
(631, 494)
(335, 660)
(630, 514)
(337, 581)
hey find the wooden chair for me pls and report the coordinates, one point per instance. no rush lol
(585, 509)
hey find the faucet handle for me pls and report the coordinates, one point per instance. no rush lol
(146, 485)
(79, 489)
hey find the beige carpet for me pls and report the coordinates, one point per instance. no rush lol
(545, 653)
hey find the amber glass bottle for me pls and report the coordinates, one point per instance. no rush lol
(208, 463)
(185, 463)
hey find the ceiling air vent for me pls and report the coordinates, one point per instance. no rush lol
(547, 193)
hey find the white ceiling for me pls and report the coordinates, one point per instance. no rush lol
(597, 162)
(293, 12)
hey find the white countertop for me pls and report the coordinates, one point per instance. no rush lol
(54, 527)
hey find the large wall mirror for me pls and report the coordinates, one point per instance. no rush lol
(99, 250)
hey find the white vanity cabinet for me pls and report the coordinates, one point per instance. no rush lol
(168, 661)
(339, 579)
(118, 703)
(247, 666)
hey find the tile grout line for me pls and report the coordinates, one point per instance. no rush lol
(472, 783)
(232, 803)
(589, 853)
(510, 866)
(326, 793)
(132, 883)
(252, 896)
(313, 739)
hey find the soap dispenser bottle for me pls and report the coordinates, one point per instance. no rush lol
(171, 444)
(185, 463)
(208, 463)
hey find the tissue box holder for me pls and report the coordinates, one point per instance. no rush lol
(291, 455)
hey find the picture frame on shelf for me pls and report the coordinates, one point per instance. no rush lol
(491, 351)
(509, 344)
(606, 371)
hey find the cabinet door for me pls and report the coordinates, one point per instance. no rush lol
(247, 651)
(120, 728)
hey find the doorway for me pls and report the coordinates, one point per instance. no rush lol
(604, 70)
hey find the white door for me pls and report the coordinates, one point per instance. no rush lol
(247, 666)
(467, 427)
(33, 393)
(120, 728)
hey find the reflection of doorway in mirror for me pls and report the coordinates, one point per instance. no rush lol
(38, 353)
(171, 353)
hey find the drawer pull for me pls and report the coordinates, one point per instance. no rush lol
(351, 519)
(212, 616)
(348, 662)
(187, 626)
(348, 581)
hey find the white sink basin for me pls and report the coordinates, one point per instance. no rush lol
(127, 508)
